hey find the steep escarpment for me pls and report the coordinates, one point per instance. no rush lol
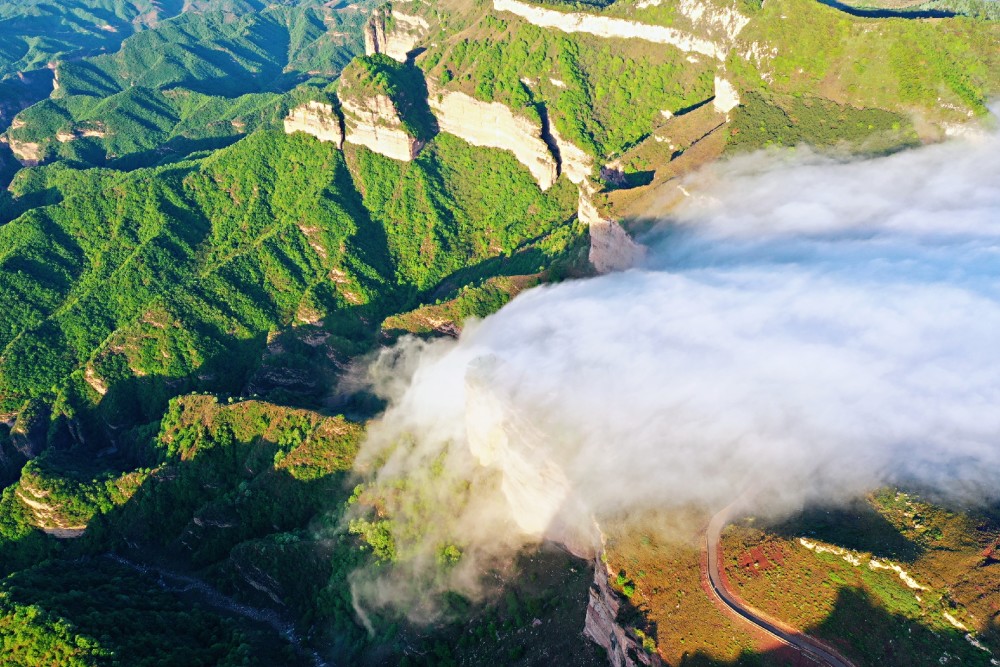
(624, 648)
(609, 27)
(385, 107)
(393, 32)
(317, 119)
(495, 125)
(375, 123)
(611, 247)
(28, 153)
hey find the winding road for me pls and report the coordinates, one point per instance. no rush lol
(803, 643)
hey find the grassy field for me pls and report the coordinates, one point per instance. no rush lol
(891, 581)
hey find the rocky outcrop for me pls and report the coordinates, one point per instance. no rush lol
(393, 33)
(97, 131)
(46, 516)
(494, 125)
(29, 433)
(726, 98)
(605, 26)
(722, 23)
(374, 122)
(318, 119)
(573, 161)
(28, 153)
(602, 627)
(375, 33)
(535, 487)
(611, 248)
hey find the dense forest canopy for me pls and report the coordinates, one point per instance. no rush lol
(188, 289)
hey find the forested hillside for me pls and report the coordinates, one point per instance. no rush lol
(215, 212)
(136, 84)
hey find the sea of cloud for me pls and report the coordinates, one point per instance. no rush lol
(802, 326)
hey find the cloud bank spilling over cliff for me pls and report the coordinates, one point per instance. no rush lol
(810, 327)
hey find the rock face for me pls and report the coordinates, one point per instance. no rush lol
(28, 153)
(611, 248)
(402, 37)
(318, 119)
(574, 162)
(494, 125)
(721, 23)
(726, 97)
(375, 34)
(602, 626)
(604, 26)
(535, 487)
(374, 122)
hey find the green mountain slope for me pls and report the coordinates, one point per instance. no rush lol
(183, 286)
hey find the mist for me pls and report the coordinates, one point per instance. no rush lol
(803, 328)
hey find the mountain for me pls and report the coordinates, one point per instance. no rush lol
(217, 211)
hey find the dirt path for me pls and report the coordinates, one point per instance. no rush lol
(719, 586)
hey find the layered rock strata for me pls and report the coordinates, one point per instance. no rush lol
(399, 40)
(495, 125)
(606, 26)
(611, 247)
(318, 119)
(374, 122)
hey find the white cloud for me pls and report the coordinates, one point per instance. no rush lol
(809, 326)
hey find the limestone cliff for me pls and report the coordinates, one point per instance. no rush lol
(601, 625)
(535, 487)
(375, 33)
(721, 24)
(494, 125)
(574, 161)
(611, 248)
(28, 153)
(726, 97)
(318, 119)
(606, 26)
(374, 122)
(393, 33)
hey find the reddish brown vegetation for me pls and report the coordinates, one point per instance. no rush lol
(759, 559)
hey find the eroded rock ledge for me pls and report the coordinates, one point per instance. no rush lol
(611, 247)
(602, 627)
(374, 122)
(397, 41)
(495, 125)
(317, 119)
(606, 26)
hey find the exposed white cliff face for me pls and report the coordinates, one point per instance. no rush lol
(602, 627)
(318, 119)
(723, 22)
(397, 42)
(726, 97)
(611, 248)
(604, 26)
(375, 34)
(576, 164)
(494, 125)
(536, 489)
(374, 122)
(28, 153)
(406, 33)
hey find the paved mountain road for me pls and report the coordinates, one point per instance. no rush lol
(802, 642)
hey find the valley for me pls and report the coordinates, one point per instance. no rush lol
(285, 351)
